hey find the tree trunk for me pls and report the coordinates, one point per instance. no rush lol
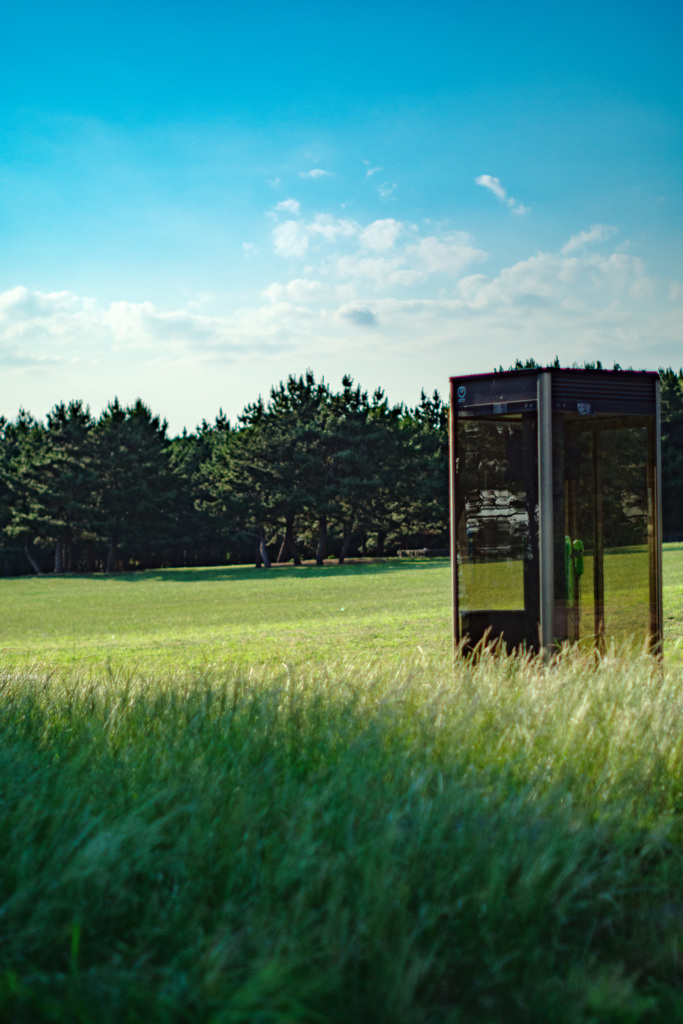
(89, 556)
(33, 561)
(321, 550)
(288, 546)
(381, 537)
(111, 554)
(346, 541)
(263, 550)
(59, 557)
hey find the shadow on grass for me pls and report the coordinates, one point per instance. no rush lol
(227, 573)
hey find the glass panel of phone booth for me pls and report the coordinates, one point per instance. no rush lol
(603, 529)
(497, 528)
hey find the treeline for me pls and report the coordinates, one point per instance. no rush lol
(311, 473)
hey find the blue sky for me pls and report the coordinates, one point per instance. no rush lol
(195, 202)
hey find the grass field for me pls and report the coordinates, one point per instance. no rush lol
(157, 620)
(233, 797)
(227, 615)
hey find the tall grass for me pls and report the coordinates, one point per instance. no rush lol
(355, 841)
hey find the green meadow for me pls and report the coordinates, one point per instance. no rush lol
(232, 795)
(228, 615)
(238, 615)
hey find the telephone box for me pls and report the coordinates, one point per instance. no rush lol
(556, 508)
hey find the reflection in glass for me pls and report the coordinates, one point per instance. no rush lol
(497, 522)
(625, 531)
(602, 509)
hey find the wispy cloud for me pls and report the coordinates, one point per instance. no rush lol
(495, 185)
(370, 169)
(386, 191)
(596, 233)
(288, 206)
(316, 172)
(331, 228)
(488, 181)
(299, 290)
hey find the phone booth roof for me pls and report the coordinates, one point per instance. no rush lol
(583, 392)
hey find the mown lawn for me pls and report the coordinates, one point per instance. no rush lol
(228, 615)
(249, 616)
(672, 559)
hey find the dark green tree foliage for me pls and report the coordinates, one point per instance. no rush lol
(270, 472)
(296, 427)
(318, 470)
(381, 511)
(237, 482)
(7, 554)
(309, 473)
(136, 489)
(199, 536)
(24, 453)
(78, 494)
(356, 459)
(424, 493)
(69, 484)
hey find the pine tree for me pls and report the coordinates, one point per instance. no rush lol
(136, 491)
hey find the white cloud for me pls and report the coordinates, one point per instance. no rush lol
(360, 295)
(382, 272)
(549, 278)
(290, 238)
(288, 206)
(316, 172)
(447, 255)
(386, 253)
(19, 304)
(381, 234)
(330, 228)
(597, 233)
(66, 326)
(495, 185)
(300, 289)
